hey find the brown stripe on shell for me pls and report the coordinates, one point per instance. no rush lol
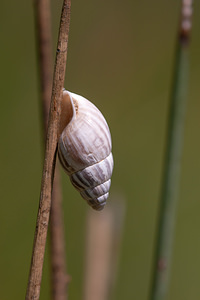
(98, 203)
(103, 198)
(89, 110)
(94, 127)
(97, 191)
(105, 133)
(83, 179)
(97, 117)
(71, 153)
(79, 153)
(94, 175)
(96, 206)
(92, 110)
(94, 154)
(69, 170)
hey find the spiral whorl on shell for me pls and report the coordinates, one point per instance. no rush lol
(84, 150)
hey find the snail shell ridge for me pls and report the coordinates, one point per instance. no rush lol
(84, 150)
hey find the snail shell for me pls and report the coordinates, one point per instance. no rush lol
(84, 149)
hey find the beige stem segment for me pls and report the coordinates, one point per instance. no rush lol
(104, 233)
(98, 255)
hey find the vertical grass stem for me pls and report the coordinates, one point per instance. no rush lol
(174, 149)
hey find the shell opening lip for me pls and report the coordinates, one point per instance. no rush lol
(68, 111)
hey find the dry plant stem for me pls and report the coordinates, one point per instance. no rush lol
(60, 279)
(44, 46)
(171, 180)
(59, 276)
(35, 276)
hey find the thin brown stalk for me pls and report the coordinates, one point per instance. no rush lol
(59, 278)
(44, 49)
(35, 276)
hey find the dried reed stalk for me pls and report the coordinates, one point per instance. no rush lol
(44, 51)
(35, 276)
(172, 174)
(59, 278)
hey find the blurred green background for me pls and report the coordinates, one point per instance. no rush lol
(120, 57)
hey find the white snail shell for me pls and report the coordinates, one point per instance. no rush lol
(84, 149)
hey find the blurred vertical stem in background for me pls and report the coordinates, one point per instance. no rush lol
(103, 242)
(36, 268)
(171, 180)
(59, 278)
(44, 53)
